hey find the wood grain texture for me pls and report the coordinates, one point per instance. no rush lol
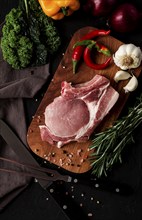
(73, 157)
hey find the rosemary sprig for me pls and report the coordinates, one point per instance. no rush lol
(108, 145)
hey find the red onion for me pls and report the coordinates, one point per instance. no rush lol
(125, 18)
(99, 7)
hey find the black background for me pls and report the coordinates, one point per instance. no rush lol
(81, 199)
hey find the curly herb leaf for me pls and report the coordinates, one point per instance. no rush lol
(29, 36)
(16, 48)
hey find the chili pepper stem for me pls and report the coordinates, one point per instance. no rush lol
(102, 49)
(74, 66)
(84, 43)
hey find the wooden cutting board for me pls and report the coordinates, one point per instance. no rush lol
(73, 157)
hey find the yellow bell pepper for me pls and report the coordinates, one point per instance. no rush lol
(57, 9)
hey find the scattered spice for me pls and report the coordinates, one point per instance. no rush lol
(75, 180)
(53, 154)
(30, 130)
(82, 160)
(79, 152)
(90, 214)
(65, 207)
(35, 180)
(64, 152)
(61, 161)
(51, 190)
(38, 120)
(117, 190)
(96, 185)
(72, 164)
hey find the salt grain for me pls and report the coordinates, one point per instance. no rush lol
(82, 160)
(117, 190)
(90, 214)
(96, 185)
(75, 180)
(64, 206)
(51, 190)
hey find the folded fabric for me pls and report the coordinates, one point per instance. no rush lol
(14, 86)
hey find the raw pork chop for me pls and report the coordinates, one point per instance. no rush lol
(79, 109)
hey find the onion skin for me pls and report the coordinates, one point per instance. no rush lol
(99, 7)
(125, 18)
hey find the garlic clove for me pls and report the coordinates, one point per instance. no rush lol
(137, 52)
(121, 51)
(131, 85)
(121, 75)
(130, 48)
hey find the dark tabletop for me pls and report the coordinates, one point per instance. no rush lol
(81, 201)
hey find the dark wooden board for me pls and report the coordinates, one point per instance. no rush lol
(73, 156)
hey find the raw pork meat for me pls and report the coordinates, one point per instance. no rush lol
(79, 109)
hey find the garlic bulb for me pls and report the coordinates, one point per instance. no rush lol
(128, 56)
(121, 75)
(131, 85)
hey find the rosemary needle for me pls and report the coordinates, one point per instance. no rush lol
(108, 145)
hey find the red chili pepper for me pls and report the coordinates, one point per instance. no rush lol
(78, 50)
(90, 63)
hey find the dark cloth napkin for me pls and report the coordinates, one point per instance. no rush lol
(14, 86)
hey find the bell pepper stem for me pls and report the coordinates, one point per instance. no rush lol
(65, 10)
